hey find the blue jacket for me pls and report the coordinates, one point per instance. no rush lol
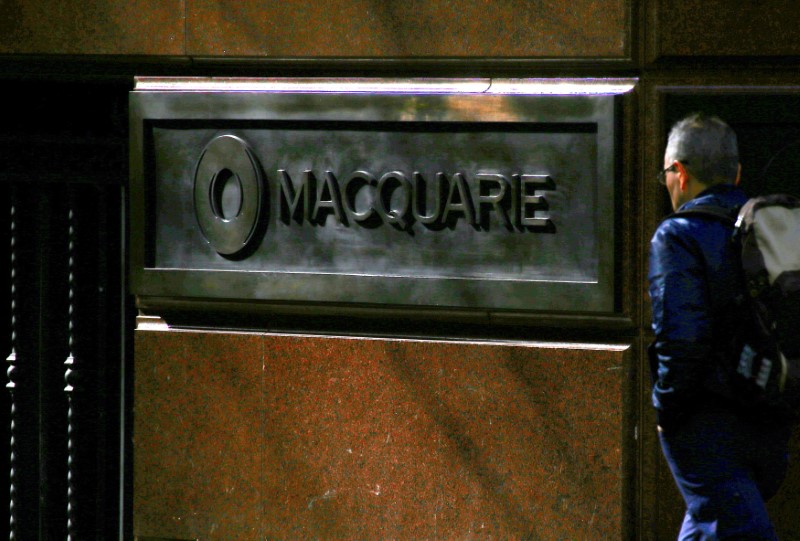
(695, 284)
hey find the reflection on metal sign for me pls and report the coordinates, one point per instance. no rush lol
(474, 201)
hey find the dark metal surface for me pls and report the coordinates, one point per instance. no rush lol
(470, 200)
(228, 193)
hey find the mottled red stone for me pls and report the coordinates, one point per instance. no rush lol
(251, 436)
(414, 28)
(197, 436)
(306, 28)
(78, 27)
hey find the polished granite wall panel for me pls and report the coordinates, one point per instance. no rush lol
(415, 28)
(92, 27)
(238, 436)
(198, 425)
(305, 28)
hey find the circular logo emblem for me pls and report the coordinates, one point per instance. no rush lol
(228, 194)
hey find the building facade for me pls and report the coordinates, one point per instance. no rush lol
(154, 394)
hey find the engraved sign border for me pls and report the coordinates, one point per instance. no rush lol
(376, 100)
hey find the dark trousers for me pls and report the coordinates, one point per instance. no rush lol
(726, 467)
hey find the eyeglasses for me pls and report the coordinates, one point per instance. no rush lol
(662, 175)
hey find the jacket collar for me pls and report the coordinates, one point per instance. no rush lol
(718, 195)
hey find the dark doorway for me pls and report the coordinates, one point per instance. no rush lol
(63, 309)
(768, 129)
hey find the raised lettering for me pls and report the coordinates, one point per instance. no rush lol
(328, 199)
(493, 199)
(420, 198)
(352, 190)
(516, 200)
(463, 204)
(532, 202)
(293, 201)
(391, 210)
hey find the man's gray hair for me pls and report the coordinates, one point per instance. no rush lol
(706, 146)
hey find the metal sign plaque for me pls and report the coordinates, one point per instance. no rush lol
(470, 196)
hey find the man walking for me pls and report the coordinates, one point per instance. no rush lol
(726, 459)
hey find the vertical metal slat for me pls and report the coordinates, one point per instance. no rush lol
(12, 360)
(69, 375)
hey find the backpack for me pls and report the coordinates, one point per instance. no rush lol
(767, 236)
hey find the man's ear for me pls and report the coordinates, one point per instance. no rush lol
(683, 176)
(738, 176)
